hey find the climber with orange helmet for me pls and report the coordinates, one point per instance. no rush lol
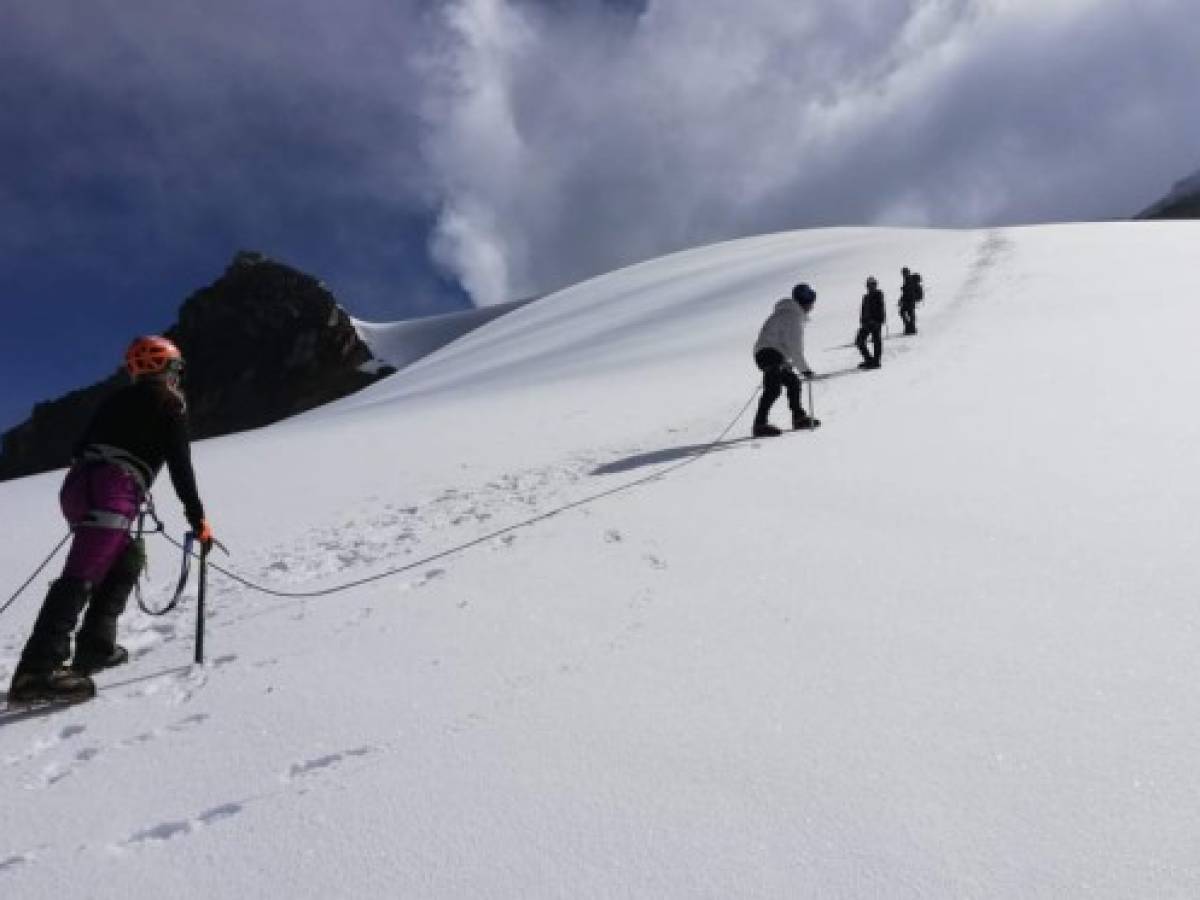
(134, 432)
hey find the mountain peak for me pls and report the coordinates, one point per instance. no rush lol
(1182, 202)
(246, 259)
(263, 342)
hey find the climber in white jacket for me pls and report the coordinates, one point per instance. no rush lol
(779, 353)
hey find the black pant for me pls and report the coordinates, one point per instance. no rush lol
(908, 315)
(49, 645)
(776, 376)
(875, 333)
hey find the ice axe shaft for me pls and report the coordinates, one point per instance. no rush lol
(201, 593)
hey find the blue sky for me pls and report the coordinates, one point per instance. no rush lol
(421, 156)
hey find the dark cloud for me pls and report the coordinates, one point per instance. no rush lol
(138, 126)
(406, 150)
(144, 143)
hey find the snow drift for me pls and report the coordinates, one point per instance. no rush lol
(400, 344)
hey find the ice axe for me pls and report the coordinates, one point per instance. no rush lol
(201, 594)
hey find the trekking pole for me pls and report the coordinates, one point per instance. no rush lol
(812, 406)
(201, 590)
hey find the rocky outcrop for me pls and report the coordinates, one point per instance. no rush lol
(262, 343)
(1183, 202)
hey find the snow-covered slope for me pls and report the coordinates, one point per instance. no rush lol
(399, 344)
(945, 646)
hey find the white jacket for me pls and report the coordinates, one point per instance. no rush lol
(784, 331)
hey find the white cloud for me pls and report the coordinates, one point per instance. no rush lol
(555, 139)
(574, 141)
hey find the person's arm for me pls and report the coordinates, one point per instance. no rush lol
(798, 361)
(179, 465)
(85, 436)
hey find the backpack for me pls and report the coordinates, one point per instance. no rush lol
(918, 291)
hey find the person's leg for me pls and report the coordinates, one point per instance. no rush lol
(772, 388)
(791, 382)
(116, 496)
(860, 341)
(770, 362)
(877, 341)
(40, 675)
(96, 644)
(49, 644)
(90, 495)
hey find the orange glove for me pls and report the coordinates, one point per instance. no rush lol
(205, 533)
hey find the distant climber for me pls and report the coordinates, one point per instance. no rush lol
(870, 325)
(911, 293)
(132, 434)
(779, 353)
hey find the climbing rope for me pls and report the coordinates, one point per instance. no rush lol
(185, 568)
(189, 551)
(474, 542)
(36, 573)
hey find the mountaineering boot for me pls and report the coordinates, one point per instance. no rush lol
(87, 661)
(802, 421)
(49, 645)
(55, 686)
(96, 644)
(869, 364)
(762, 427)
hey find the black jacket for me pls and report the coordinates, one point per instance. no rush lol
(874, 312)
(147, 420)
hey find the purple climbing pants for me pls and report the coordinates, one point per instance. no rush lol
(99, 500)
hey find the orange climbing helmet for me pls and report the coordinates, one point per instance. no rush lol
(152, 355)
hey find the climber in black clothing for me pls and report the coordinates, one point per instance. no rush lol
(911, 293)
(870, 325)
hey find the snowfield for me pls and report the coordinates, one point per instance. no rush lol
(946, 646)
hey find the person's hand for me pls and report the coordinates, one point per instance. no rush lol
(204, 534)
(809, 373)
